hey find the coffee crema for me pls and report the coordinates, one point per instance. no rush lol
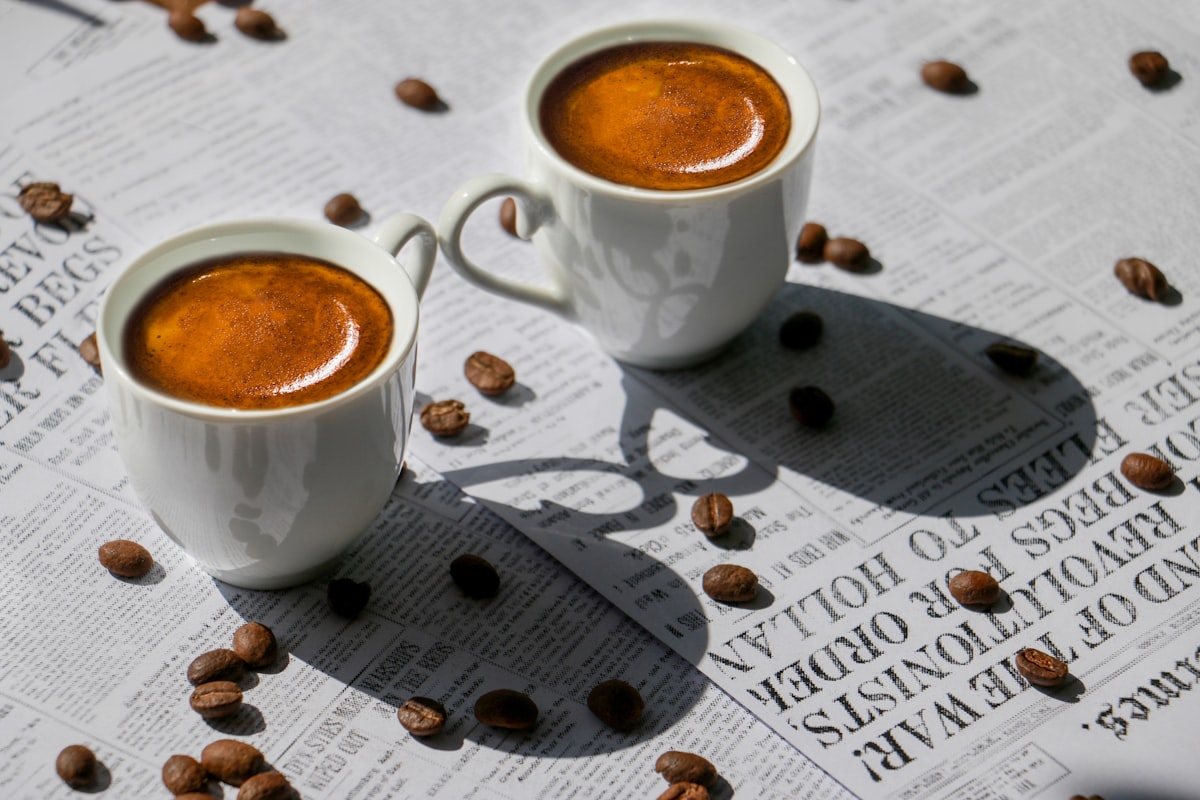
(666, 115)
(258, 331)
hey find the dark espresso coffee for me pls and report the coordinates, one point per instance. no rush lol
(258, 330)
(666, 115)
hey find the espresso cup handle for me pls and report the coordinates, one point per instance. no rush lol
(536, 210)
(398, 231)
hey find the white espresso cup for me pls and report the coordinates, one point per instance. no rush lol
(265, 499)
(660, 278)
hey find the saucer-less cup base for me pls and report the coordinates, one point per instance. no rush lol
(269, 499)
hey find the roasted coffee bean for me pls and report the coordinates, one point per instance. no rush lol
(490, 374)
(182, 774)
(215, 665)
(266, 786)
(5, 352)
(216, 699)
(76, 765)
(257, 24)
(343, 209)
(506, 708)
(125, 558)
(1040, 668)
(194, 796)
(712, 514)
(1147, 472)
(232, 761)
(801, 330)
(508, 215)
(44, 201)
(422, 716)
(677, 766)
(1088, 797)
(810, 246)
(811, 406)
(187, 25)
(617, 704)
(89, 351)
(684, 791)
(1012, 358)
(418, 94)
(946, 76)
(1142, 278)
(1149, 67)
(475, 575)
(445, 417)
(730, 583)
(346, 597)
(974, 588)
(848, 254)
(256, 644)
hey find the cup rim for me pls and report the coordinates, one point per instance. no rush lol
(799, 88)
(404, 321)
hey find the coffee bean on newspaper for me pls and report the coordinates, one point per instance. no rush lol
(267, 786)
(76, 765)
(1149, 67)
(445, 417)
(343, 209)
(1041, 669)
(1147, 472)
(811, 406)
(44, 201)
(187, 26)
(810, 246)
(1013, 358)
(684, 791)
(490, 374)
(182, 774)
(216, 699)
(422, 716)
(232, 761)
(89, 351)
(617, 704)
(347, 597)
(257, 24)
(1141, 278)
(508, 215)
(418, 94)
(731, 583)
(712, 514)
(678, 766)
(475, 575)
(125, 558)
(256, 644)
(848, 254)
(801, 330)
(946, 76)
(972, 587)
(506, 708)
(220, 664)
(5, 351)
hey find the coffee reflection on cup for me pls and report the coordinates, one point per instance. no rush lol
(257, 438)
(668, 166)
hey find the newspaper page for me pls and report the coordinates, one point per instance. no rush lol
(995, 216)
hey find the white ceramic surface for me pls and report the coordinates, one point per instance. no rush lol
(267, 499)
(661, 279)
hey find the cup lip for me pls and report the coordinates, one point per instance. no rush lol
(799, 87)
(404, 337)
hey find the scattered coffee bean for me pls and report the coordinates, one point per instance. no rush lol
(810, 246)
(1149, 67)
(194, 796)
(730, 583)
(946, 76)
(972, 587)
(266, 786)
(182, 774)
(1040, 668)
(684, 791)
(1014, 359)
(422, 716)
(677, 766)
(1141, 278)
(848, 254)
(187, 25)
(508, 215)
(343, 209)
(445, 417)
(125, 558)
(1088, 797)
(1147, 472)
(347, 597)
(490, 374)
(811, 406)
(44, 201)
(89, 351)
(475, 575)
(76, 765)
(5, 352)
(617, 704)
(232, 761)
(418, 94)
(712, 514)
(215, 665)
(216, 699)
(801, 330)
(506, 708)
(256, 644)
(257, 24)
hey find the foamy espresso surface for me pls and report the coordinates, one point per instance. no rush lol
(258, 330)
(666, 115)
